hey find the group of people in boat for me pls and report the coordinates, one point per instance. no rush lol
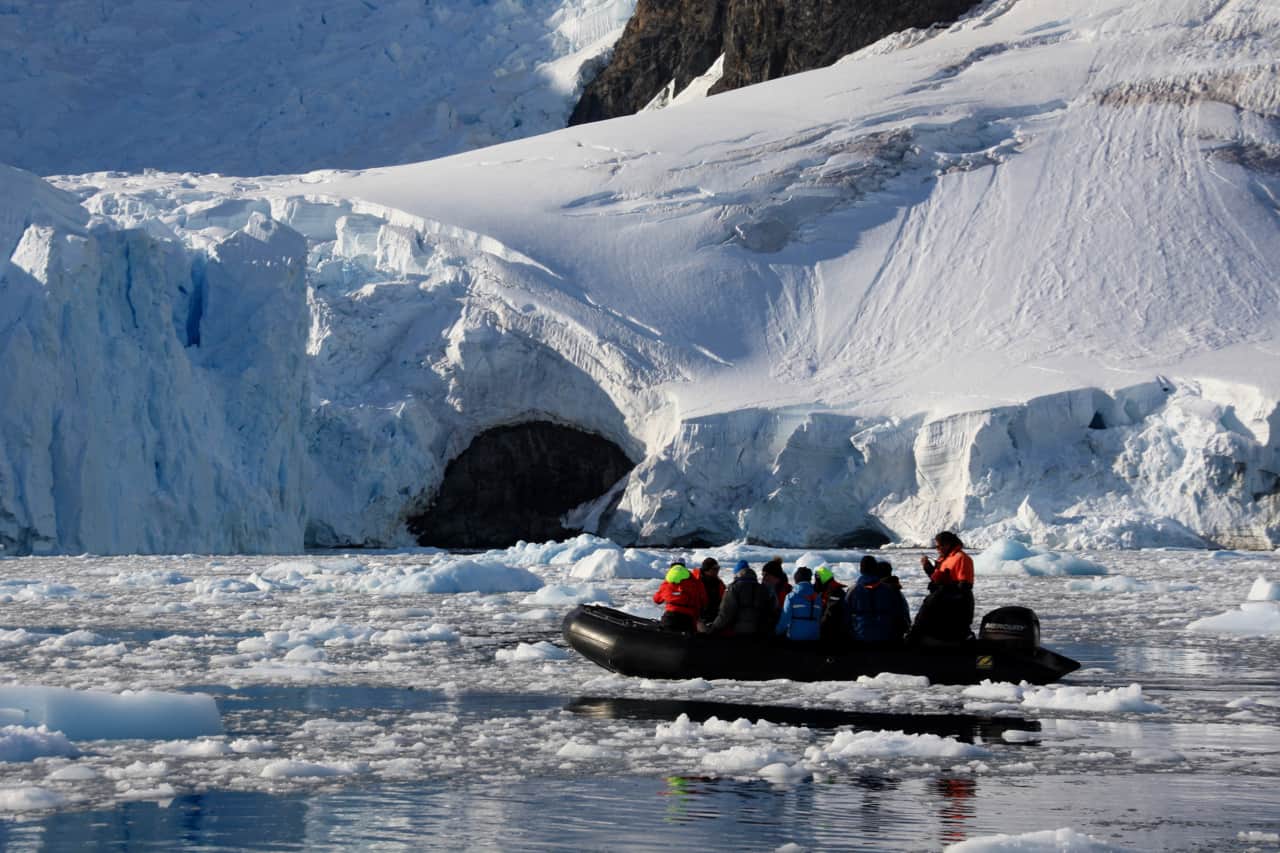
(819, 608)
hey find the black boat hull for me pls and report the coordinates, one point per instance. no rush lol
(630, 645)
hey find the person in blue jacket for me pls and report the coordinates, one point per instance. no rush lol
(880, 612)
(801, 615)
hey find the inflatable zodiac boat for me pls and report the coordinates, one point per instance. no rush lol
(1007, 648)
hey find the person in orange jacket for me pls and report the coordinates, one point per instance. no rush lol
(946, 613)
(684, 595)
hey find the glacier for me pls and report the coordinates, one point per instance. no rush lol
(251, 88)
(1015, 277)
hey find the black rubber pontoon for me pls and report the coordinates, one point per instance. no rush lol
(630, 645)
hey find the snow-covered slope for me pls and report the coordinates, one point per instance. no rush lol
(1017, 278)
(245, 87)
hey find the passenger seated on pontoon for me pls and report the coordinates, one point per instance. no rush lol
(774, 578)
(801, 611)
(709, 574)
(879, 609)
(834, 629)
(748, 608)
(684, 596)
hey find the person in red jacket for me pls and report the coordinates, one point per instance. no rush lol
(684, 595)
(946, 613)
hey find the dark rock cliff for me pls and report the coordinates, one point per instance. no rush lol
(761, 40)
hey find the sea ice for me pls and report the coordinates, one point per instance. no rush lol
(744, 760)
(615, 563)
(286, 768)
(94, 715)
(1064, 840)
(1010, 557)
(559, 594)
(893, 744)
(20, 743)
(29, 798)
(1258, 616)
(1060, 697)
(529, 652)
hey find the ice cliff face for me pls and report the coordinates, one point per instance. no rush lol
(154, 398)
(1016, 277)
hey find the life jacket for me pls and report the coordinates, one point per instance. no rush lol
(682, 593)
(956, 567)
(784, 589)
(803, 612)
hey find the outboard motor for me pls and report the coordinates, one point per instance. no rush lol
(1017, 626)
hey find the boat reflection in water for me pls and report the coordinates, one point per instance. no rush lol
(962, 727)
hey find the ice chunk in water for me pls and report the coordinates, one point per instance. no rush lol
(95, 715)
(1264, 590)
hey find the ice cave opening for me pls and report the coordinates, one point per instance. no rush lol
(517, 482)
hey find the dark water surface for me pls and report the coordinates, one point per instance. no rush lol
(1164, 809)
(1147, 812)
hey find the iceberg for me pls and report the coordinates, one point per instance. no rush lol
(96, 715)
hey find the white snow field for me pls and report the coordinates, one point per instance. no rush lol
(242, 87)
(393, 712)
(1015, 277)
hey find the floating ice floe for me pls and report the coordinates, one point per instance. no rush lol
(614, 563)
(20, 743)
(564, 553)
(29, 798)
(285, 768)
(149, 579)
(529, 652)
(558, 594)
(1258, 616)
(1127, 584)
(457, 576)
(1060, 697)
(746, 760)
(95, 715)
(1064, 840)
(1011, 557)
(33, 591)
(893, 744)
(684, 730)
(573, 749)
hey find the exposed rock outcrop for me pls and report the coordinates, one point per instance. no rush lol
(678, 40)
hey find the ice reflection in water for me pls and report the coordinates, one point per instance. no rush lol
(868, 811)
(963, 727)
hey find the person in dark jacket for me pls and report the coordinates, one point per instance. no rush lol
(835, 614)
(880, 612)
(802, 611)
(684, 595)
(748, 608)
(709, 574)
(774, 577)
